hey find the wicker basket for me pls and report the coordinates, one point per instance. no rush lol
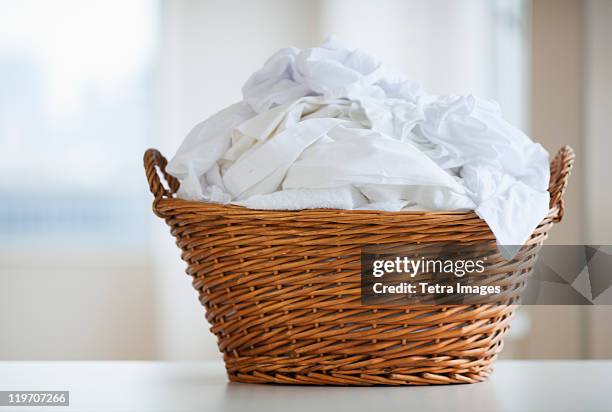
(282, 290)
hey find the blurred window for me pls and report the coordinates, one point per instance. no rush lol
(76, 97)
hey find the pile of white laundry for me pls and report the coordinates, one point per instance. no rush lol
(327, 127)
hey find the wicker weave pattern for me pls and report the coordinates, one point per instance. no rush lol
(282, 290)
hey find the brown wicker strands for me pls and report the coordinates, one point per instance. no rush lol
(282, 290)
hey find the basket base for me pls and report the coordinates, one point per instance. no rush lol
(361, 379)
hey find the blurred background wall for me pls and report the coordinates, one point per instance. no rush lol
(86, 271)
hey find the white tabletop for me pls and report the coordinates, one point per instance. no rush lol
(156, 386)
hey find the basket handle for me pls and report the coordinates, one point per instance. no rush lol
(154, 161)
(560, 169)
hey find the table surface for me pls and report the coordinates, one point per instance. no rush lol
(202, 386)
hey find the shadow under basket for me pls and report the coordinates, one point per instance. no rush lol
(282, 290)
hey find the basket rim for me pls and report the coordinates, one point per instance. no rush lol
(242, 209)
(165, 207)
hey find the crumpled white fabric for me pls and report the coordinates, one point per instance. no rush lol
(328, 127)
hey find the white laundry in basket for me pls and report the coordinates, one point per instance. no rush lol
(328, 127)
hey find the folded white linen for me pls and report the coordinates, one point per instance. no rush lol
(343, 197)
(328, 127)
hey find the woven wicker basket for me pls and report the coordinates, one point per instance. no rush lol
(282, 290)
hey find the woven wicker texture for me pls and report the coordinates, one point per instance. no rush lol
(281, 290)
